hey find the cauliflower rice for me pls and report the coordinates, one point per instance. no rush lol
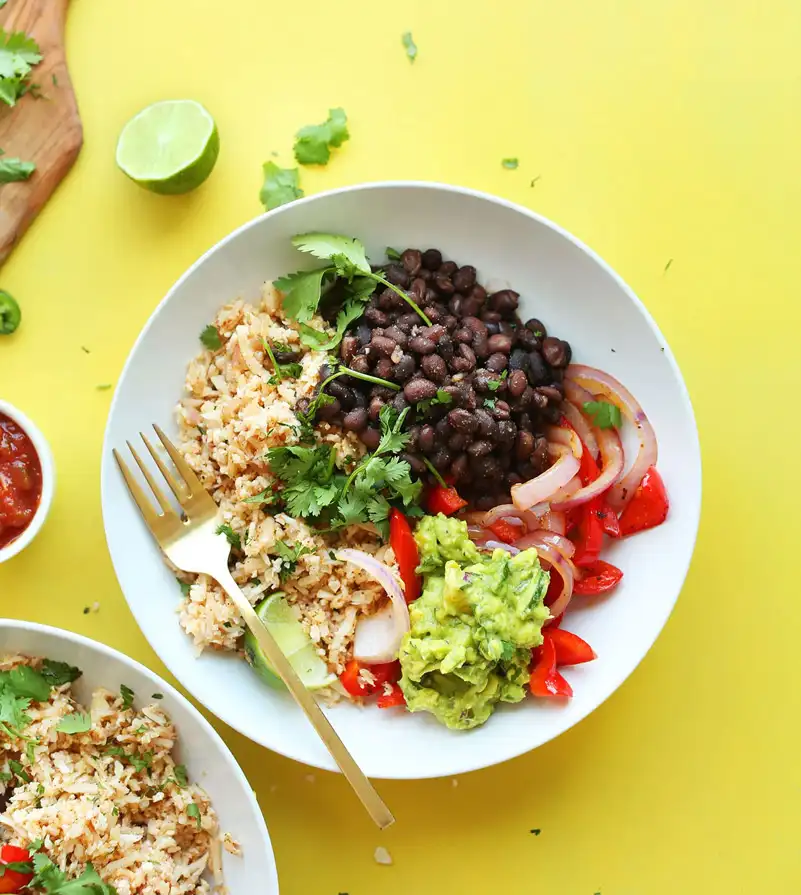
(89, 803)
(230, 415)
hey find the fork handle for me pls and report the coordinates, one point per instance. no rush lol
(353, 773)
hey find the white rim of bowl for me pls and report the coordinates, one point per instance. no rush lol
(48, 465)
(163, 686)
(466, 765)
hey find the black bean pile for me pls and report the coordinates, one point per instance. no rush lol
(480, 383)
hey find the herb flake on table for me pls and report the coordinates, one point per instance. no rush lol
(313, 144)
(210, 337)
(281, 186)
(534, 180)
(13, 170)
(667, 266)
(536, 832)
(410, 46)
(603, 414)
(511, 164)
(19, 54)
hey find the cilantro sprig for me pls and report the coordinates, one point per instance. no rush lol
(13, 170)
(303, 290)
(19, 54)
(313, 144)
(281, 186)
(21, 686)
(604, 414)
(282, 371)
(50, 879)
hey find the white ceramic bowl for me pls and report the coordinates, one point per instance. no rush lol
(578, 297)
(208, 760)
(48, 480)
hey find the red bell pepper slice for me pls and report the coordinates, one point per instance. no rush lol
(545, 680)
(589, 534)
(386, 673)
(351, 681)
(444, 500)
(599, 578)
(406, 553)
(14, 880)
(588, 472)
(390, 700)
(609, 521)
(506, 532)
(570, 648)
(649, 506)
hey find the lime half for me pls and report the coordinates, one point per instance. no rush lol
(170, 147)
(281, 621)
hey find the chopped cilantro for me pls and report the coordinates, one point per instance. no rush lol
(181, 775)
(534, 180)
(267, 496)
(490, 403)
(313, 144)
(510, 163)
(76, 722)
(104, 387)
(393, 254)
(138, 762)
(351, 310)
(49, 879)
(442, 397)
(667, 266)
(536, 832)
(289, 556)
(19, 771)
(603, 414)
(233, 538)
(194, 811)
(210, 337)
(58, 673)
(14, 169)
(410, 45)
(185, 586)
(280, 187)
(127, 695)
(157, 696)
(494, 384)
(30, 752)
(18, 55)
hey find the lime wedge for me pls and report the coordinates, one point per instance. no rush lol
(281, 621)
(170, 147)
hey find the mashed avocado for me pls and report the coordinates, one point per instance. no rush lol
(473, 627)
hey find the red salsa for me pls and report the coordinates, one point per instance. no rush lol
(20, 480)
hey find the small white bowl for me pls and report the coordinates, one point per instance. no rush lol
(199, 747)
(48, 480)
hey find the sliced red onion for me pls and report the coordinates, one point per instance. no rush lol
(499, 545)
(380, 640)
(567, 437)
(525, 518)
(606, 385)
(582, 425)
(611, 470)
(564, 568)
(554, 521)
(540, 489)
(548, 539)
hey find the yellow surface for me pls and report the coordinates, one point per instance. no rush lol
(661, 131)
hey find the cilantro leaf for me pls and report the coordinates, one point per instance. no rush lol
(280, 187)
(18, 55)
(317, 341)
(19, 771)
(352, 508)
(14, 169)
(494, 384)
(127, 695)
(53, 881)
(181, 775)
(77, 722)
(210, 337)
(27, 682)
(330, 246)
(442, 397)
(232, 537)
(13, 713)
(410, 45)
(301, 293)
(289, 556)
(267, 496)
(58, 673)
(185, 587)
(393, 254)
(490, 403)
(510, 163)
(604, 415)
(194, 811)
(139, 762)
(393, 439)
(313, 144)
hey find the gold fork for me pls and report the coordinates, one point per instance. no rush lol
(192, 544)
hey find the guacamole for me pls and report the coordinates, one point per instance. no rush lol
(473, 627)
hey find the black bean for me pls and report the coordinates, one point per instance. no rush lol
(412, 260)
(449, 322)
(455, 305)
(501, 342)
(536, 327)
(404, 368)
(524, 421)
(416, 463)
(441, 459)
(384, 368)
(485, 502)
(364, 333)
(407, 320)
(487, 427)
(422, 345)
(434, 367)
(432, 296)
(526, 339)
(399, 402)
(425, 274)
(555, 352)
(524, 445)
(557, 375)
(370, 437)
(426, 440)
(418, 290)
(397, 275)
(433, 333)
(464, 279)
(348, 347)
(375, 408)
(537, 370)
(445, 348)
(449, 268)
(462, 421)
(444, 284)
(482, 380)
(471, 305)
(479, 293)
(419, 390)
(468, 354)
(493, 328)
(463, 334)
(381, 345)
(481, 346)
(507, 328)
(381, 391)
(552, 394)
(513, 478)
(552, 413)
(360, 364)
(329, 411)
(517, 383)
(457, 441)
(376, 317)
(338, 389)
(355, 421)
(504, 302)
(434, 312)
(497, 362)
(475, 324)
(286, 357)
(386, 300)
(535, 399)
(501, 410)
(490, 317)
(519, 360)
(459, 467)
(397, 335)
(507, 432)
(479, 448)
(540, 456)
(432, 259)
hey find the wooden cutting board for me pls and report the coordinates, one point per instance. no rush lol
(47, 130)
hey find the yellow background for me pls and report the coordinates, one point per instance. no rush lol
(661, 131)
